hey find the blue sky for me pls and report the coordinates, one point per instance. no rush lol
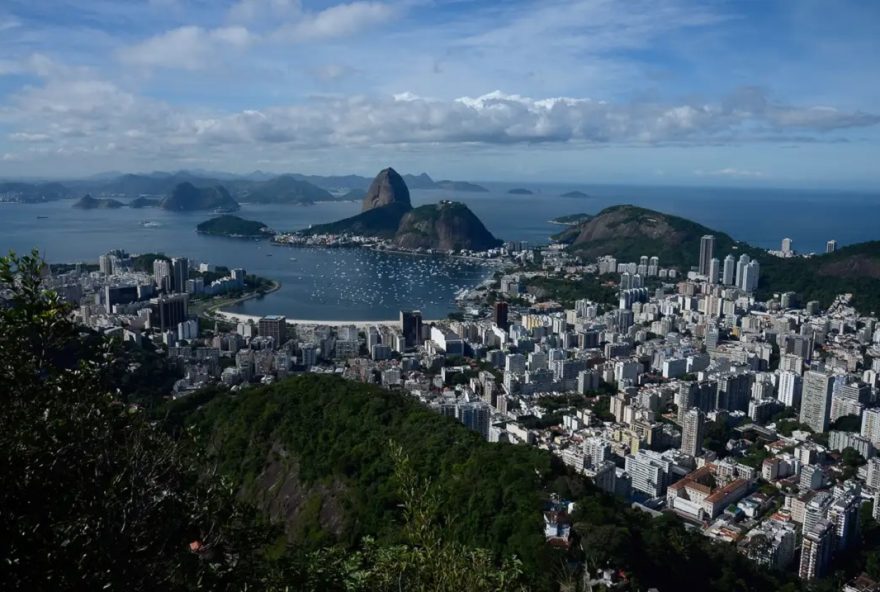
(675, 92)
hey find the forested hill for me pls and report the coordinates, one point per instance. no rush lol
(316, 452)
(629, 232)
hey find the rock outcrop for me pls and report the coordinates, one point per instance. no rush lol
(388, 188)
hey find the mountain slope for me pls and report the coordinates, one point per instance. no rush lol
(233, 226)
(381, 222)
(33, 192)
(386, 189)
(87, 202)
(461, 186)
(445, 226)
(285, 189)
(628, 232)
(187, 197)
(314, 451)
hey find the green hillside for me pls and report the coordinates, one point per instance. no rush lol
(233, 226)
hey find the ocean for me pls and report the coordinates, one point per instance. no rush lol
(351, 284)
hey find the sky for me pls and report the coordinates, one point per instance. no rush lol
(676, 92)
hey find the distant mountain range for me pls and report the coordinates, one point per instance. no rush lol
(255, 187)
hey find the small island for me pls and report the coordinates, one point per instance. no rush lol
(576, 194)
(234, 227)
(521, 191)
(87, 202)
(461, 186)
(571, 219)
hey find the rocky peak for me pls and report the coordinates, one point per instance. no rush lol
(387, 188)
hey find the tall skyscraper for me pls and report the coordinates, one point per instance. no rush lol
(411, 326)
(501, 315)
(816, 400)
(750, 277)
(816, 550)
(714, 270)
(105, 264)
(692, 432)
(787, 246)
(166, 312)
(162, 275)
(831, 246)
(179, 274)
(707, 251)
(274, 326)
(744, 260)
(729, 272)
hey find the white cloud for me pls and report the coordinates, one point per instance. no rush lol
(731, 172)
(337, 21)
(188, 48)
(75, 112)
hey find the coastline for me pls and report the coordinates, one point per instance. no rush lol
(243, 318)
(213, 310)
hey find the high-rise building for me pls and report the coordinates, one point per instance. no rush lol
(728, 274)
(871, 425)
(692, 432)
(844, 515)
(707, 251)
(105, 264)
(816, 400)
(179, 274)
(274, 326)
(816, 550)
(790, 389)
(166, 312)
(411, 326)
(787, 246)
(744, 260)
(749, 279)
(162, 275)
(501, 311)
(831, 246)
(714, 270)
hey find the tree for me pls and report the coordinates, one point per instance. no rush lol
(93, 495)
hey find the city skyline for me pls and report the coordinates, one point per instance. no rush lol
(685, 93)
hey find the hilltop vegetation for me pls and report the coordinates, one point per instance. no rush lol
(233, 226)
(87, 202)
(314, 451)
(628, 232)
(444, 226)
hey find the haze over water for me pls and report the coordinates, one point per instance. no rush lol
(354, 284)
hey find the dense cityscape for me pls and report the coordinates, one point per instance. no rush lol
(755, 422)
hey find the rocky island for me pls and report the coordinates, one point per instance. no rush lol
(87, 202)
(575, 194)
(387, 213)
(461, 186)
(234, 227)
(521, 191)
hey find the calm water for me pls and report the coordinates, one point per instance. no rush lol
(355, 284)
